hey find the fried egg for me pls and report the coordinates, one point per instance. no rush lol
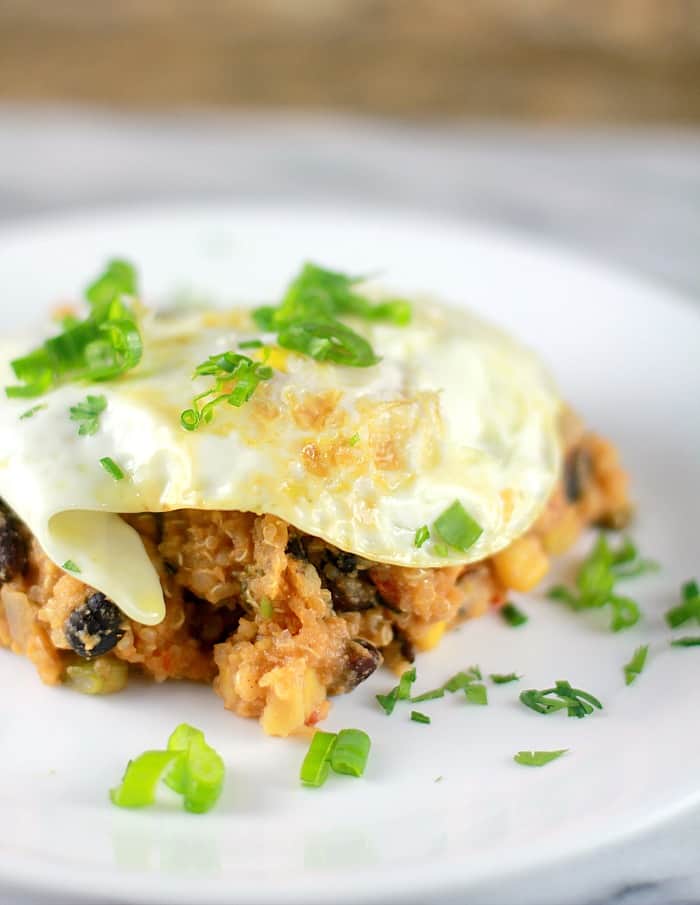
(361, 457)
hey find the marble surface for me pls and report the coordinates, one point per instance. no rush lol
(631, 198)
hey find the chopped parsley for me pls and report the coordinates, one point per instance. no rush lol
(636, 664)
(112, 469)
(499, 678)
(106, 344)
(422, 535)
(458, 682)
(513, 615)
(688, 641)
(87, 414)
(32, 411)
(576, 702)
(354, 440)
(236, 378)
(597, 577)
(688, 609)
(537, 758)
(419, 717)
(457, 528)
(71, 566)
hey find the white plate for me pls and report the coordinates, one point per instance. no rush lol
(627, 356)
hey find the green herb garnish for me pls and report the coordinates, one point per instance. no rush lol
(345, 752)
(71, 566)
(354, 440)
(422, 535)
(429, 696)
(419, 717)
(106, 344)
(537, 758)
(307, 322)
(476, 694)
(350, 753)
(32, 411)
(576, 702)
(190, 767)
(636, 664)
(251, 344)
(266, 608)
(513, 615)
(499, 678)
(596, 579)
(236, 378)
(316, 764)
(688, 641)
(112, 469)
(457, 528)
(87, 413)
(401, 692)
(457, 682)
(688, 609)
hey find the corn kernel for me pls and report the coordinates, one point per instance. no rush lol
(522, 565)
(563, 534)
(432, 636)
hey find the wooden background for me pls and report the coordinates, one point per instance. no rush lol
(557, 60)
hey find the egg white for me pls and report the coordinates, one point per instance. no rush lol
(361, 457)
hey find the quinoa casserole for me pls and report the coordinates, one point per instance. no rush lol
(284, 590)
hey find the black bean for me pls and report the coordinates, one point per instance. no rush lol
(406, 647)
(95, 627)
(578, 469)
(344, 562)
(14, 549)
(295, 548)
(362, 659)
(350, 593)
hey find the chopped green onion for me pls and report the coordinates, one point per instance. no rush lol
(576, 702)
(441, 549)
(140, 781)
(316, 764)
(354, 440)
(112, 469)
(405, 683)
(429, 695)
(70, 566)
(636, 664)
(118, 279)
(688, 641)
(457, 528)
(499, 678)
(88, 413)
(462, 679)
(422, 535)
(388, 701)
(512, 615)
(419, 717)
(266, 608)
(103, 346)
(328, 341)
(596, 580)
(476, 694)
(236, 378)
(350, 752)
(190, 767)
(251, 344)
(537, 758)
(401, 692)
(32, 411)
(688, 609)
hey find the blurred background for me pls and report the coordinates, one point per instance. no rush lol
(576, 120)
(552, 60)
